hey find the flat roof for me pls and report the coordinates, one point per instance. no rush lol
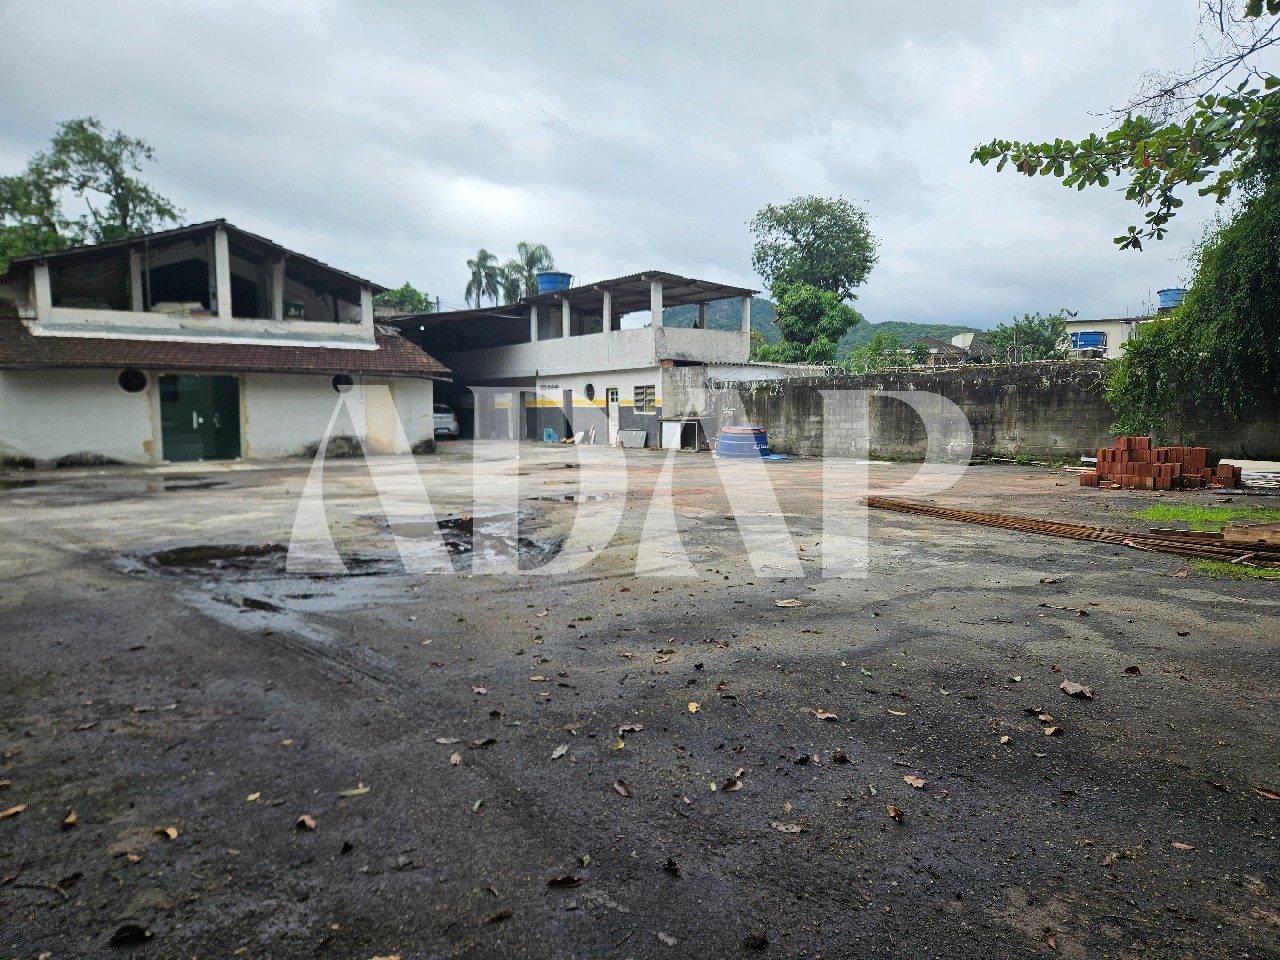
(629, 294)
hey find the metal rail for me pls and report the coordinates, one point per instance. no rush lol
(1185, 546)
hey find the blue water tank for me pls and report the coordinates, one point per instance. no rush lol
(743, 442)
(1171, 297)
(550, 281)
(1088, 340)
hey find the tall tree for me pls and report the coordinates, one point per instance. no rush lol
(484, 277)
(531, 258)
(811, 321)
(511, 280)
(92, 172)
(825, 243)
(1211, 130)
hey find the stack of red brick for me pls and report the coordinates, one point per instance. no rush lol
(1133, 464)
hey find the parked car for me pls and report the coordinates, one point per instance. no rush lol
(446, 421)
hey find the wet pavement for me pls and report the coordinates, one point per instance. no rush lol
(590, 763)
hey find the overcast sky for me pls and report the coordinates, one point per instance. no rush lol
(395, 139)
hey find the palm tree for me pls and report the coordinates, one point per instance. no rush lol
(510, 275)
(530, 259)
(484, 277)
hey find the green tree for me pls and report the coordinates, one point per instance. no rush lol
(881, 351)
(407, 299)
(822, 242)
(484, 277)
(92, 168)
(1196, 129)
(920, 353)
(1034, 337)
(811, 321)
(531, 258)
(511, 281)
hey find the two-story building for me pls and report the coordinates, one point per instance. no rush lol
(572, 350)
(199, 343)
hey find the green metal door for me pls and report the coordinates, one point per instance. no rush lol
(200, 417)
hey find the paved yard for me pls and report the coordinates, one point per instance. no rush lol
(598, 764)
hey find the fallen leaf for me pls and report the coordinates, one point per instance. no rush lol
(559, 751)
(252, 797)
(1183, 633)
(480, 690)
(87, 726)
(786, 806)
(1218, 786)
(538, 679)
(69, 820)
(499, 916)
(286, 743)
(732, 785)
(1014, 679)
(788, 603)
(786, 827)
(756, 939)
(893, 812)
(475, 807)
(169, 833)
(1111, 858)
(1052, 731)
(447, 741)
(1004, 740)
(1053, 944)
(12, 811)
(916, 782)
(626, 656)
(357, 791)
(1073, 689)
(666, 938)
(1270, 793)
(455, 758)
(5, 784)
(619, 744)
(631, 728)
(897, 713)
(394, 956)
(1133, 670)
(542, 614)
(1045, 717)
(838, 756)
(482, 742)
(144, 709)
(671, 867)
(306, 822)
(622, 788)
(694, 707)
(1050, 580)
(823, 714)
(1183, 846)
(661, 660)
(567, 880)
(1180, 572)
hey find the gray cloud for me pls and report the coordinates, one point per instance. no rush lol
(394, 139)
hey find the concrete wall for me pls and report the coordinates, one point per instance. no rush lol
(46, 415)
(1049, 410)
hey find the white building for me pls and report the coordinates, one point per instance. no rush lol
(203, 342)
(532, 362)
(1102, 338)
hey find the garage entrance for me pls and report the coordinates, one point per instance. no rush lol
(200, 417)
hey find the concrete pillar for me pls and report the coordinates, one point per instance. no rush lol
(702, 317)
(746, 314)
(135, 282)
(655, 301)
(222, 273)
(43, 291)
(277, 290)
(564, 317)
(533, 323)
(606, 310)
(366, 306)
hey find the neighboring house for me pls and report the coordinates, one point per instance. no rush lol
(201, 343)
(976, 347)
(942, 353)
(1102, 338)
(567, 350)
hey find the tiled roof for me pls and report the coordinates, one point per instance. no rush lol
(395, 356)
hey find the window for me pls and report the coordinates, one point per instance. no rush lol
(591, 391)
(645, 399)
(342, 383)
(132, 381)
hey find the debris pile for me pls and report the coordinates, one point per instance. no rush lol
(1134, 464)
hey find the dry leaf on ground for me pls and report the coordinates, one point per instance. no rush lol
(822, 714)
(359, 790)
(916, 782)
(788, 603)
(170, 833)
(1073, 689)
(622, 788)
(1183, 846)
(893, 812)
(306, 822)
(1270, 793)
(694, 707)
(786, 827)
(455, 758)
(446, 741)
(12, 811)
(559, 751)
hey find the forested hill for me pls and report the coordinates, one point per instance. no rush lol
(727, 315)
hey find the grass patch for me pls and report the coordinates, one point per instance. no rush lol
(1238, 571)
(1205, 518)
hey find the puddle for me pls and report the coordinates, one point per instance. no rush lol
(255, 561)
(194, 484)
(16, 484)
(498, 536)
(573, 498)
